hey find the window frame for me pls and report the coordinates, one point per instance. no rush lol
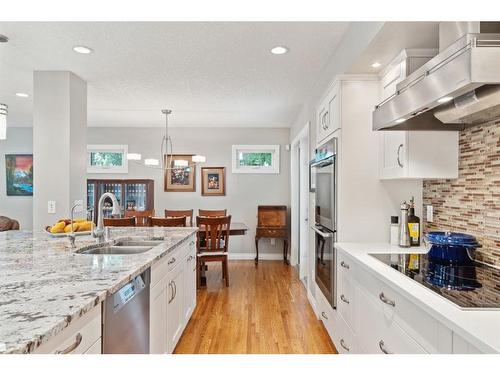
(275, 159)
(122, 149)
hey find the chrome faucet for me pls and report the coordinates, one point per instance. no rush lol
(72, 235)
(99, 232)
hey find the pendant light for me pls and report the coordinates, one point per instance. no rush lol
(3, 120)
(165, 143)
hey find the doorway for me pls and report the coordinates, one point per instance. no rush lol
(300, 202)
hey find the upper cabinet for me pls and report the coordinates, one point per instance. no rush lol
(414, 154)
(328, 114)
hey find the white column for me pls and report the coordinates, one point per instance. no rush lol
(59, 145)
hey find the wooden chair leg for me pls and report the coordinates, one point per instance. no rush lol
(223, 270)
(256, 250)
(225, 267)
(198, 273)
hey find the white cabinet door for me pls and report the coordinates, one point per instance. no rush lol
(393, 153)
(328, 114)
(322, 115)
(190, 285)
(175, 306)
(159, 295)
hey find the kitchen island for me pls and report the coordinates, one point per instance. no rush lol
(46, 286)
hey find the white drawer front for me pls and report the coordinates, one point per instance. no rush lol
(345, 340)
(169, 261)
(376, 334)
(96, 348)
(326, 313)
(426, 330)
(77, 338)
(345, 299)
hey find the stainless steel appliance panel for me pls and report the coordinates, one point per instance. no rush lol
(326, 263)
(126, 318)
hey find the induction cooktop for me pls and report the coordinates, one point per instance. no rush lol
(474, 286)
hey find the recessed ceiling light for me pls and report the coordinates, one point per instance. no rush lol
(376, 64)
(279, 50)
(82, 49)
(22, 94)
(445, 99)
(400, 120)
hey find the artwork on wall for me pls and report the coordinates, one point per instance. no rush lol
(213, 181)
(180, 175)
(107, 159)
(19, 174)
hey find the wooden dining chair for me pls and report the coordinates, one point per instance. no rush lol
(119, 222)
(212, 213)
(212, 241)
(168, 221)
(141, 217)
(188, 214)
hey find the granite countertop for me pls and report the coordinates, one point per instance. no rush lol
(479, 327)
(44, 284)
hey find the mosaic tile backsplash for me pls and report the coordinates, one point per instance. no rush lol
(471, 203)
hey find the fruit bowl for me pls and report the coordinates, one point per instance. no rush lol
(55, 235)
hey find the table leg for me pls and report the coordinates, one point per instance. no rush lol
(285, 250)
(256, 250)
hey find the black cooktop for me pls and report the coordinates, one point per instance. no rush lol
(471, 287)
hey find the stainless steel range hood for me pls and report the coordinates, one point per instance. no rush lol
(458, 87)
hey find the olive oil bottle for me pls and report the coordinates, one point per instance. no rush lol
(413, 224)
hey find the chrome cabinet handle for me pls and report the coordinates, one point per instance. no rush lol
(382, 347)
(171, 260)
(175, 290)
(171, 292)
(342, 344)
(189, 258)
(324, 315)
(399, 160)
(385, 300)
(344, 264)
(72, 347)
(326, 120)
(344, 299)
(191, 243)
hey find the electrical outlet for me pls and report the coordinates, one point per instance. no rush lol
(273, 241)
(430, 213)
(51, 207)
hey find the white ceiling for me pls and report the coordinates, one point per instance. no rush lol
(209, 74)
(392, 38)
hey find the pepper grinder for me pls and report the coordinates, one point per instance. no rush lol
(404, 233)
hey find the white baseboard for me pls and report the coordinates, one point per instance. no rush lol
(251, 256)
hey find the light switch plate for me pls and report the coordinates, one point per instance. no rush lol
(51, 207)
(430, 213)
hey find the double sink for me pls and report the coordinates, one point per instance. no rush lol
(122, 247)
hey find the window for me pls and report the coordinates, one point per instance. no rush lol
(256, 159)
(107, 159)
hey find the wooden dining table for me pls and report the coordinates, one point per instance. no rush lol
(236, 229)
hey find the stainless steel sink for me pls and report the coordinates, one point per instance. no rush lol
(123, 247)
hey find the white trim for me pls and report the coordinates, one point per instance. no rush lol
(251, 256)
(312, 302)
(123, 149)
(275, 163)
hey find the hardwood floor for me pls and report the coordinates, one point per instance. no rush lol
(265, 310)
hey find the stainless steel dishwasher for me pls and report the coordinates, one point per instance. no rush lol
(126, 318)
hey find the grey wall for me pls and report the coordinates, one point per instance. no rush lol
(244, 192)
(19, 141)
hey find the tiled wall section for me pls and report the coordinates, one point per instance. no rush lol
(471, 203)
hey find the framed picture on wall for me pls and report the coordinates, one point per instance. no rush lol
(213, 181)
(180, 174)
(19, 174)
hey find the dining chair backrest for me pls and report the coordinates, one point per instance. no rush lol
(141, 217)
(188, 214)
(212, 213)
(119, 222)
(168, 221)
(213, 234)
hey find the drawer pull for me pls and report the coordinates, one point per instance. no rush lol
(171, 260)
(324, 315)
(387, 301)
(191, 243)
(72, 347)
(342, 344)
(381, 345)
(189, 258)
(344, 264)
(171, 292)
(345, 300)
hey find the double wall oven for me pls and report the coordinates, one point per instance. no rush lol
(324, 172)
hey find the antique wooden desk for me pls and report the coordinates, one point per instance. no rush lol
(272, 223)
